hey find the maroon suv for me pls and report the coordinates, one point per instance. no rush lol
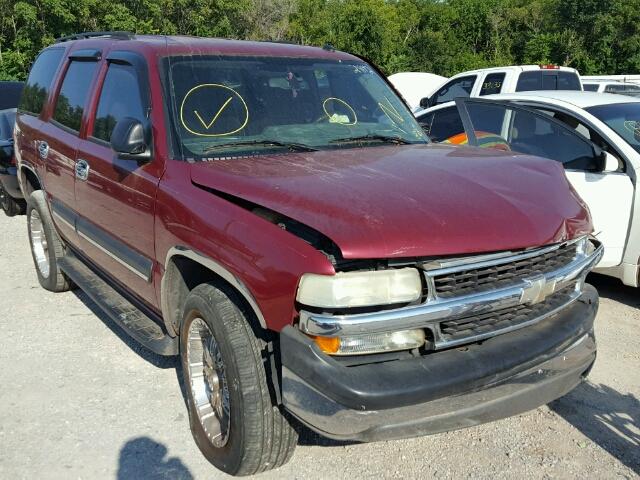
(274, 215)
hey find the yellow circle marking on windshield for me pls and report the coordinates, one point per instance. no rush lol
(337, 116)
(208, 124)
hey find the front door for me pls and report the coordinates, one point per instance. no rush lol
(116, 196)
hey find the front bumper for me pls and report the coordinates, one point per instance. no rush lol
(456, 388)
(9, 181)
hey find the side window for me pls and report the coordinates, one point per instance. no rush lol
(119, 98)
(460, 87)
(590, 87)
(38, 84)
(490, 117)
(73, 94)
(528, 81)
(442, 124)
(536, 135)
(492, 84)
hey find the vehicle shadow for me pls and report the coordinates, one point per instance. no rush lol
(151, 357)
(309, 438)
(145, 458)
(614, 289)
(609, 418)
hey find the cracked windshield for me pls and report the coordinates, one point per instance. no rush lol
(226, 107)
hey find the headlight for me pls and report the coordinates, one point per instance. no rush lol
(360, 289)
(371, 343)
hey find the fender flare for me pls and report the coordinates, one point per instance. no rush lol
(216, 268)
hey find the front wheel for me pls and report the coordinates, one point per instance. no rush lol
(233, 419)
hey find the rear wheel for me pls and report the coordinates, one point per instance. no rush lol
(46, 247)
(233, 419)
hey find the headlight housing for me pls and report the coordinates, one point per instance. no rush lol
(360, 289)
(371, 343)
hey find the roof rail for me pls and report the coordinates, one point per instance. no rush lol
(84, 35)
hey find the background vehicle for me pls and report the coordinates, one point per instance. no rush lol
(609, 188)
(275, 215)
(11, 200)
(607, 86)
(489, 81)
(611, 78)
(413, 86)
(10, 94)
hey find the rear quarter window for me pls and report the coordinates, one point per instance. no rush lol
(36, 90)
(492, 84)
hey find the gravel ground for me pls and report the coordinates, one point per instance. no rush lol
(79, 399)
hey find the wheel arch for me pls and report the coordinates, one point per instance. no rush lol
(29, 181)
(185, 269)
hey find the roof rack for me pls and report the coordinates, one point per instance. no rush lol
(84, 35)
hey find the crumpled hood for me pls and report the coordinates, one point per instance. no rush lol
(410, 201)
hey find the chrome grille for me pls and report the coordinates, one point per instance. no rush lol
(493, 277)
(504, 319)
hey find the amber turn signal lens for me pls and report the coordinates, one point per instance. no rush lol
(329, 345)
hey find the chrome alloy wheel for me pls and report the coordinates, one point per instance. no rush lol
(39, 243)
(208, 383)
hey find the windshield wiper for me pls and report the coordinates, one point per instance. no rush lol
(373, 137)
(297, 147)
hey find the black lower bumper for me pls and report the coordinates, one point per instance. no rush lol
(503, 376)
(9, 182)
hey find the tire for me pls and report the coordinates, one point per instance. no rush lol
(10, 205)
(46, 247)
(258, 435)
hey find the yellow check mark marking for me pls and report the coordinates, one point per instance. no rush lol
(208, 126)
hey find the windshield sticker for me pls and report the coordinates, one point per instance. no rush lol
(339, 111)
(213, 110)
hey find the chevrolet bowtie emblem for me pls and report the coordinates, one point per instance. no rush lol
(537, 289)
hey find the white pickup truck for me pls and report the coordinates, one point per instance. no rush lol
(489, 81)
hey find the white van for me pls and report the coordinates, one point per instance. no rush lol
(489, 81)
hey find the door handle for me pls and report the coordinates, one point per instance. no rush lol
(43, 149)
(82, 170)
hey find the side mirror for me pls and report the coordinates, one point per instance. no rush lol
(129, 139)
(606, 162)
(611, 163)
(425, 102)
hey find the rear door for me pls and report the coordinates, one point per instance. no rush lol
(609, 194)
(32, 105)
(116, 195)
(59, 138)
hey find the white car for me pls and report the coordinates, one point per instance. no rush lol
(490, 81)
(565, 126)
(611, 86)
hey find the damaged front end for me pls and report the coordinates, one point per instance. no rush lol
(501, 333)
